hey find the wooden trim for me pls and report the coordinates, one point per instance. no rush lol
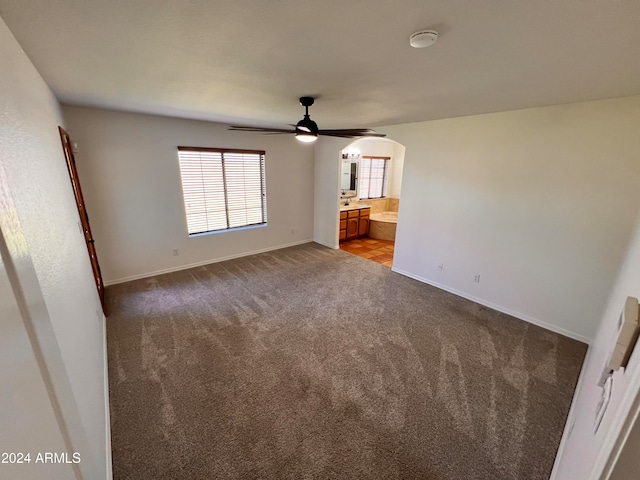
(220, 150)
(82, 212)
(377, 158)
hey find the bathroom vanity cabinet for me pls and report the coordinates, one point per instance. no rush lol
(354, 223)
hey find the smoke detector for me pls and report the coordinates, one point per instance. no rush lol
(423, 38)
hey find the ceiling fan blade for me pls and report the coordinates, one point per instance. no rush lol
(336, 135)
(351, 133)
(343, 135)
(373, 134)
(239, 128)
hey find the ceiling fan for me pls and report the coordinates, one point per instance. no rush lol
(306, 130)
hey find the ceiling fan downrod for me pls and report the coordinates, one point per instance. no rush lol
(306, 129)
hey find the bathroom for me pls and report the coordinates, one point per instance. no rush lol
(370, 185)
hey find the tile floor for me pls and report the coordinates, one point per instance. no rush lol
(380, 251)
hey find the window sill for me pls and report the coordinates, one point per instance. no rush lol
(227, 230)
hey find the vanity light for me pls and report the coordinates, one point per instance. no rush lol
(351, 153)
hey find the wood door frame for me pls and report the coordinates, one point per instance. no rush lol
(82, 212)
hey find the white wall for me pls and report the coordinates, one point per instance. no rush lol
(128, 167)
(397, 171)
(326, 201)
(28, 420)
(61, 298)
(539, 202)
(583, 453)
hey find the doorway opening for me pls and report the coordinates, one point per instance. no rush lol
(370, 187)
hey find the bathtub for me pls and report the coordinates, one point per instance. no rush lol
(382, 226)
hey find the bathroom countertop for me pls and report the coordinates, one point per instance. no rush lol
(344, 208)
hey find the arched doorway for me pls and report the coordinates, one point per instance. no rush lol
(370, 188)
(331, 194)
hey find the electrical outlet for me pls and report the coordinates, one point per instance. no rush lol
(476, 279)
(175, 252)
(441, 266)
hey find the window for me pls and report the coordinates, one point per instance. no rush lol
(223, 188)
(374, 173)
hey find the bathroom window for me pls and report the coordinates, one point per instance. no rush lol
(223, 189)
(374, 174)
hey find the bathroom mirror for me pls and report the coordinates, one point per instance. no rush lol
(349, 178)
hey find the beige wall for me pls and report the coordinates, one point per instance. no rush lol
(379, 205)
(539, 202)
(51, 328)
(128, 166)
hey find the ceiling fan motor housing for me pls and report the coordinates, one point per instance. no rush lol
(306, 125)
(306, 101)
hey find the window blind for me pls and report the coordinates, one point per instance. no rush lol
(373, 177)
(223, 188)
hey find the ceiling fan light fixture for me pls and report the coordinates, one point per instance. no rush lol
(307, 130)
(306, 137)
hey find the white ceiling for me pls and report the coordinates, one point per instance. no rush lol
(248, 61)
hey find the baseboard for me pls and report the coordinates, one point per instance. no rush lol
(334, 247)
(107, 414)
(204, 262)
(569, 424)
(499, 308)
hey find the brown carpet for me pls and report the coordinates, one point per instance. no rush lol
(312, 363)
